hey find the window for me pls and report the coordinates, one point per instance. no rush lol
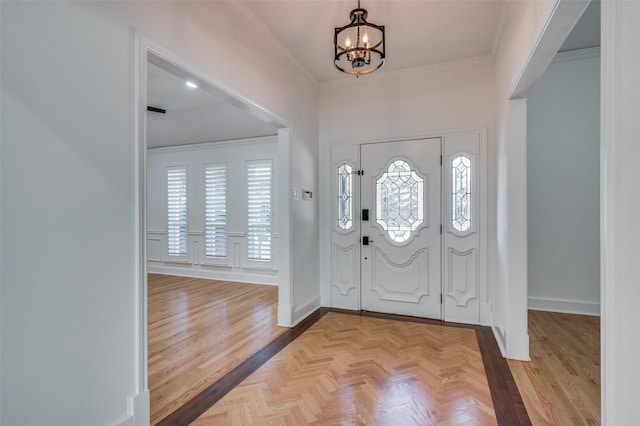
(345, 209)
(461, 197)
(259, 210)
(177, 211)
(399, 201)
(215, 210)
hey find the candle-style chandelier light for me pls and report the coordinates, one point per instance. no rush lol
(359, 45)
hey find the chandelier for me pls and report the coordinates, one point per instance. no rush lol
(359, 45)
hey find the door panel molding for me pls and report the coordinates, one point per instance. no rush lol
(344, 276)
(417, 265)
(462, 284)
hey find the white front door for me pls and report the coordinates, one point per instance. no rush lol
(401, 241)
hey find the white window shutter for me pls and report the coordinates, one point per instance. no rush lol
(215, 181)
(177, 211)
(259, 210)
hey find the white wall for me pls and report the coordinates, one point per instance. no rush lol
(620, 202)
(234, 154)
(563, 175)
(521, 58)
(70, 322)
(522, 27)
(428, 101)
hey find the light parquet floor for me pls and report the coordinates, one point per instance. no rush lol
(561, 384)
(354, 370)
(199, 330)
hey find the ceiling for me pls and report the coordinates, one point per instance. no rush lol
(418, 33)
(586, 32)
(194, 115)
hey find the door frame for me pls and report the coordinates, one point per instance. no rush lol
(144, 46)
(485, 225)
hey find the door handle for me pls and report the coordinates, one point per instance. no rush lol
(366, 240)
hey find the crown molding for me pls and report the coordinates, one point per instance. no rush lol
(258, 23)
(576, 55)
(214, 144)
(442, 67)
(504, 10)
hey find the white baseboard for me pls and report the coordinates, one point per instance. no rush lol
(141, 406)
(285, 315)
(486, 314)
(253, 277)
(564, 306)
(521, 353)
(501, 337)
(138, 411)
(300, 314)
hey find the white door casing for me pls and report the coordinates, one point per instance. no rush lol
(401, 188)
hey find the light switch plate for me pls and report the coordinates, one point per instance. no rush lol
(296, 193)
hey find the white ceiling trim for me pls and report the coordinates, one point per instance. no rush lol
(255, 20)
(460, 64)
(501, 24)
(578, 54)
(219, 144)
(549, 35)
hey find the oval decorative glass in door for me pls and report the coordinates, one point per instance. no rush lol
(399, 201)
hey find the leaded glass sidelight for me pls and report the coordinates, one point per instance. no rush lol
(399, 201)
(345, 197)
(461, 193)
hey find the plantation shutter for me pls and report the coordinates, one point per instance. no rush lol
(177, 211)
(215, 181)
(259, 210)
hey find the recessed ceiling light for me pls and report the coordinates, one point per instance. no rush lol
(192, 85)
